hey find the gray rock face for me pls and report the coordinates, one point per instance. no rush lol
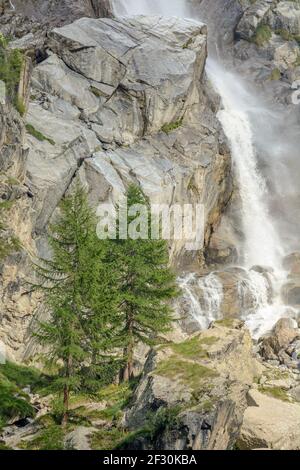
(34, 15)
(252, 18)
(150, 80)
(119, 101)
(287, 17)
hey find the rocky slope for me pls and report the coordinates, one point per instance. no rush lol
(212, 390)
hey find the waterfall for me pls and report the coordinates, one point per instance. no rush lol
(262, 245)
(253, 292)
(203, 297)
(151, 7)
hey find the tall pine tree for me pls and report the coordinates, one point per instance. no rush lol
(146, 286)
(79, 292)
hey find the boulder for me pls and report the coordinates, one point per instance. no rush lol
(291, 292)
(292, 263)
(283, 334)
(270, 423)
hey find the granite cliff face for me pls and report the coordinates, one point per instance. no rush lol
(111, 101)
(145, 113)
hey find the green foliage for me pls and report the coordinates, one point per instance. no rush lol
(117, 397)
(13, 404)
(38, 135)
(145, 285)
(11, 62)
(163, 421)
(78, 285)
(20, 106)
(50, 438)
(23, 376)
(275, 392)
(275, 74)
(287, 35)
(13, 401)
(131, 437)
(191, 374)
(108, 439)
(167, 128)
(194, 348)
(226, 322)
(262, 35)
(4, 447)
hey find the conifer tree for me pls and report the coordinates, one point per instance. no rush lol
(79, 293)
(146, 286)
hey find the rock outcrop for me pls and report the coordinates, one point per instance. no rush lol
(147, 116)
(270, 423)
(195, 379)
(283, 343)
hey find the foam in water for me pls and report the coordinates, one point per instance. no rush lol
(204, 297)
(253, 292)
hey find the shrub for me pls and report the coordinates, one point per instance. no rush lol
(262, 35)
(11, 62)
(38, 135)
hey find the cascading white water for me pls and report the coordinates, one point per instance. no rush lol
(151, 7)
(203, 296)
(253, 291)
(262, 245)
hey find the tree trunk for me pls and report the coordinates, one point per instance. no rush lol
(66, 394)
(66, 406)
(127, 371)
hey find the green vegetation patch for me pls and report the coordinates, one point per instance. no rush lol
(8, 243)
(108, 439)
(226, 322)
(50, 438)
(275, 392)
(194, 348)
(189, 373)
(275, 74)
(11, 63)
(22, 376)
(262, 35)
(14, 403)
(287, 36)
(38, 135)
(172, 126)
